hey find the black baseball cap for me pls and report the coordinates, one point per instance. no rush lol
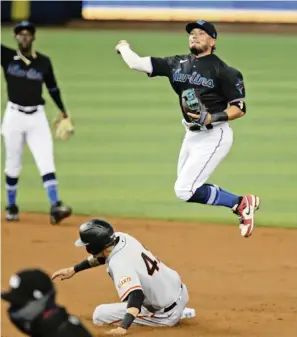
(208, 27)
(25, 25)
(27, 285)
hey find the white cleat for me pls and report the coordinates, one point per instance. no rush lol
(188, 313)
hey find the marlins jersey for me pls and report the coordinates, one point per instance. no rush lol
(216, 82)
(132, 266)
(25, 80)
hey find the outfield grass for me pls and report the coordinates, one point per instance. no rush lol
(122, 160)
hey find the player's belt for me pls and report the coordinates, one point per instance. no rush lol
(174, 304)
(197, 127)
(26, 110)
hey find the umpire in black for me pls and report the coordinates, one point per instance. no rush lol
(33, 309)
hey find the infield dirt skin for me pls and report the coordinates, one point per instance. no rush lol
(239, 287)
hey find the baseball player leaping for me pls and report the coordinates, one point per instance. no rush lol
(210, 94)
(25, 120)
(154, 294)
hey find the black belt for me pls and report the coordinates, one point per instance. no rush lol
(26, 112)
(198, 128)
(170, 307)
(174, 304)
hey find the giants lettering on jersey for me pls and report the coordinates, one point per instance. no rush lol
(124, 281)
(193, 78)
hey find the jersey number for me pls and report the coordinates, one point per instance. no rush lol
(151, 265)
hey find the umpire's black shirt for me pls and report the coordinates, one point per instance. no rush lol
(24, 82)
(217, 83)
(52, 323)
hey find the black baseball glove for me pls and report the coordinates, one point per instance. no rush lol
(191, 103)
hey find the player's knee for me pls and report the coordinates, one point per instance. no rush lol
(182, 192)
(13, 170)
(99, 315)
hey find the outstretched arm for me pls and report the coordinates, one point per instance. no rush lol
(133, 60)
(67, 273)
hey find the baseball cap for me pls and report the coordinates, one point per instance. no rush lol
(208, 27)
(25, 25)
(27, 285)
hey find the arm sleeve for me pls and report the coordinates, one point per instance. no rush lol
(153, 66)
(232, 84)
(125, 279)
(134, 61)
(135, 299)
(52, 87)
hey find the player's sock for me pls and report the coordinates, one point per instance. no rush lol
(226, 198)
(11, 189)
(214, 195)
(50, 184)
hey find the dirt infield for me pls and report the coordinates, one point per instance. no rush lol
(239, 287)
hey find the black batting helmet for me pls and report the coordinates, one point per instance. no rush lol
(95, 235)
(25, 25)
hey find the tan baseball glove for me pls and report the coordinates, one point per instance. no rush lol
(63, 128)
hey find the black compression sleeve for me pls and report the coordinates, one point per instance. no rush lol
(127, 321)
(82, 266)
(135, 299)
(56, 96)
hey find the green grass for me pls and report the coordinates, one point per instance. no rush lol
(122, 160)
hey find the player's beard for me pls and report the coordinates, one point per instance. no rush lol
(197, 51)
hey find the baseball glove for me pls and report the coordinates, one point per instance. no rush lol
(64, 128)
(192, 103)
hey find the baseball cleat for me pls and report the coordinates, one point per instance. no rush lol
(12, 213)
(245, 210)
(59, 212)
(188, 313)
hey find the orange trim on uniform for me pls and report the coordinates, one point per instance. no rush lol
(146, 316)
(141, 317)
(114, 322)
(129, 290)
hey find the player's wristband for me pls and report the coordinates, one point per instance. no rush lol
(82, 266)
(127, 321)
(219, 117)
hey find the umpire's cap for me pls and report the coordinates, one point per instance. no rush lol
(208, 27)
(28, 285)
(95, 235)
(24, 25)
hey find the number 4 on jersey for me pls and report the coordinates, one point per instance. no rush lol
(151, 265)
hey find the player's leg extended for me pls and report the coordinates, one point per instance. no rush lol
(13, 135)
(114, 313)
(207, 150)
(40, 142)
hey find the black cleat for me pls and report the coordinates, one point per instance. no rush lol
(59, 212)
(12, 213)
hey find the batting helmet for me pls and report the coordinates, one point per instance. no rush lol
(25, 25)
(95, 235)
